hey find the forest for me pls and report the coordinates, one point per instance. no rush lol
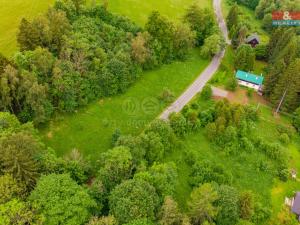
(74, 55)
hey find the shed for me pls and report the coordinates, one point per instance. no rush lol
(249, 80)
(253, 40)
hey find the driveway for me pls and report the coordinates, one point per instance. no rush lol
(206, 75)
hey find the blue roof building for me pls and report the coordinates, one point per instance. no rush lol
(249, 80)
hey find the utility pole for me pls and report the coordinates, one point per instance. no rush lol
(281, 101)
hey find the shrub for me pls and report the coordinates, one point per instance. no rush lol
(250, 92)
(206, 92)
(231, 84)
(283, 174)
(206, 171)
(284, 138)
(178, 124)
(167, 96)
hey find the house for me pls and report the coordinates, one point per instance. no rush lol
(294, 203)
(249, 80)
(252, 40)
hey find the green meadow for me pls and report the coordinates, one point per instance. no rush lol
(91, 128)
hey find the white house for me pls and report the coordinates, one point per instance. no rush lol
(249, 80)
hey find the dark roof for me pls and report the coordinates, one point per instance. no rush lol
(252, 37)
(296, 204)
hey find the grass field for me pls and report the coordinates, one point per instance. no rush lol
(138, 10)
(243, 167)
(12, 11)
(90, 130)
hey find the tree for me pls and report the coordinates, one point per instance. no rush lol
(231, 83)
(179, 124)
(104, 220)
(249, 3)
(212, 46)
(140, 51)
(233, 16)
(244, 58)
(28, 36)
(202, 21)
(163, 177)
(9, 188)
(18, 213)
(162, 30)
(201, 205)
(296, 119)
(206, 171)
(246, 205)
(228, 205)
(169, 213)
(289, 84)
(267, 22)
(44, 31)
(141, 222)
(10, 96)
(133, 199)
(17, 152)
(3, 63)
(78, 4)
(9, 123)
(115, 166)
(61, 200)
(184, 40)
(206, 92)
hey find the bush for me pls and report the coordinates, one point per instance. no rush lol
(206, 172)
(231, 84)
(250, 92)
(283, 174)
(178, 124)
(261, 52)
(206, 92)
(167, 96)
(284, 138)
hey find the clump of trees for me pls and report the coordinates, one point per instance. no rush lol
(283, 69)
(63, 65)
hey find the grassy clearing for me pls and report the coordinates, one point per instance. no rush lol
(244, 167)
(91, 128)
(139, 10)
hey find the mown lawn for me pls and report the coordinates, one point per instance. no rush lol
(91, 128)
